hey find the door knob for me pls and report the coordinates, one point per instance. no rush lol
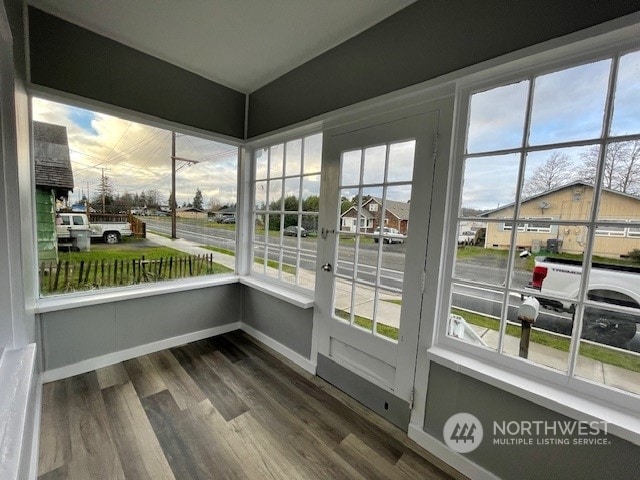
(326, 267)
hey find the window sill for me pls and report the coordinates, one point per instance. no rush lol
(295, 298)
(621, 423)
(96, 297)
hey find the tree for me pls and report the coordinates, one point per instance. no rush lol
(621, 169)
(197, 200)
(311, 204)
(554, 172)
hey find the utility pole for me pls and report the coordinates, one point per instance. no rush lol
(173, 185)
(174, 202)
(104, 187)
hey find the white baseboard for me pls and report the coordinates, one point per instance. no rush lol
(35, 440)
(296, 358)
(122, 355)
(451, 458)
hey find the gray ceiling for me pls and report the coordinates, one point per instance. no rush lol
(243, 44)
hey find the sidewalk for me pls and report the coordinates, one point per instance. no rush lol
(364, 303)
(192, 248)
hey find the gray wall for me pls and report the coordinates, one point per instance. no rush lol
(283, 322)
(451, 392)
(72, 59)
(70, 336)
(423, 41)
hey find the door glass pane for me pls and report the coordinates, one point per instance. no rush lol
(569, 104)
(374, 164)
(401, 161)
(388, 308)
(374, 223)
(346, 245)
(350, 168)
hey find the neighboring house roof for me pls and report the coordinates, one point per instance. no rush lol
(363, 212)
(398, 209)
(189, 209)
(51, 155)
(574, 184)
(227, 209)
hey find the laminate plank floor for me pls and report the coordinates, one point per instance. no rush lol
(225, 407)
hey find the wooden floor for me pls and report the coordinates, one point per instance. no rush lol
(224, 407)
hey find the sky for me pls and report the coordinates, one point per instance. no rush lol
(567, 106)
(137, 157)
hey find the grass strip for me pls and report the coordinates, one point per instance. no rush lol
(628, 361)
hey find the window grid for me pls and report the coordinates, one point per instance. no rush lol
(594, 225)
(274, 255)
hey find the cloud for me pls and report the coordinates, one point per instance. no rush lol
(137, 157)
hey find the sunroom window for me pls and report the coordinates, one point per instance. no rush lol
(550, 169)
(285, 210)
(104, 201)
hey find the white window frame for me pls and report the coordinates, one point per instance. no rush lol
(112, 294)
(612, 230)
(565, 393)
(253, 212)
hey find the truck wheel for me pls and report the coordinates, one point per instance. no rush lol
(604, 326)
(111, 238)
(610, 328)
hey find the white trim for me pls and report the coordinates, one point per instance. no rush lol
(455, 460)
(295, 357)
(276, 290)
(35, 440)
(84, 299)
(90, 364)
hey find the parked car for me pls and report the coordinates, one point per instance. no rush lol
(109, 232)
(229, 220)
(295, 231)
(608, 283)
(389, 235)
(467, 237)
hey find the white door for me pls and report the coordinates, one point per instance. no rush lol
(369, 290)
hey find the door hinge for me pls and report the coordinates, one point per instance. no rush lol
(435, 145)
(423, 280)
(411, 397)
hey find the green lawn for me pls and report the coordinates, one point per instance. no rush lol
(384, 330)
(628, 361)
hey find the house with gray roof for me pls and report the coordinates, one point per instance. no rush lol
(396, 216)
(53, 181)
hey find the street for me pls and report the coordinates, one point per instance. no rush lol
(479, 300)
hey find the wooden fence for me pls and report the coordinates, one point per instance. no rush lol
(70, 276)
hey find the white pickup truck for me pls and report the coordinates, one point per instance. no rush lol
(110, 232)
(608, 283)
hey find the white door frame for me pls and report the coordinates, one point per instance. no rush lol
(419, 121)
